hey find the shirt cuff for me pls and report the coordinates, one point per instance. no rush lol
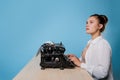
(83, 65)
(89, 68)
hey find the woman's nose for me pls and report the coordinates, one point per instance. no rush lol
(86, 25)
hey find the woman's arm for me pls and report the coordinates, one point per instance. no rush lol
(102, 60)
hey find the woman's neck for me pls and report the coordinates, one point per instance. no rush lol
(95, 35)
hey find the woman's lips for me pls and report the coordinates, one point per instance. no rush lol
(87, 28)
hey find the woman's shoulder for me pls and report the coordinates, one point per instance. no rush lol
(104, 42)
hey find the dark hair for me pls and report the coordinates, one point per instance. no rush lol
(102, 20)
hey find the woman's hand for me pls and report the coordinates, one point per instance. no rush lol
(70, 55)
(75, 60)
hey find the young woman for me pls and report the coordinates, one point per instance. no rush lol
(96, 57)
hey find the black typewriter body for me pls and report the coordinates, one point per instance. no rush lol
(52, 56)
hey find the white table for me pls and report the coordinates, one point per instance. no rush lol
(32, 71)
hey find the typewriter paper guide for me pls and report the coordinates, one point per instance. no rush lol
(32, 71)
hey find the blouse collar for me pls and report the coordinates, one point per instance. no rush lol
(95, 40)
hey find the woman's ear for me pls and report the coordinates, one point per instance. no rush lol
(100, 26)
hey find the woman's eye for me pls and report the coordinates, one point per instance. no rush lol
(91, 22)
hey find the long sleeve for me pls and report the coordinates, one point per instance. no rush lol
(98, 60)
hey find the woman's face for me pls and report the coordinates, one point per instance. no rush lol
(93, 25)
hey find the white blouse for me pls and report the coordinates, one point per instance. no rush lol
(98, 59)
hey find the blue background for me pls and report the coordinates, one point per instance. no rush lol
(26, 24)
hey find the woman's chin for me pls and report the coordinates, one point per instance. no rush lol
(87, 32)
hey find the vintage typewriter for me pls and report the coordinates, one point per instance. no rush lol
(52, 56)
